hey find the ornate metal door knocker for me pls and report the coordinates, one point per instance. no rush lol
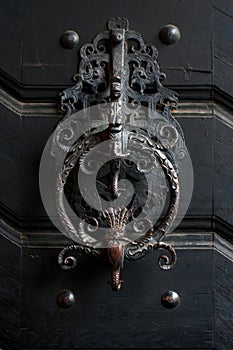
(113, 161)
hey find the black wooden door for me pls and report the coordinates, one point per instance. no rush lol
(34, 69)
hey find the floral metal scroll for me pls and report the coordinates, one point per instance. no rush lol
(119, 113)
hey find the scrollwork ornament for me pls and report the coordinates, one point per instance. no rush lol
(70, 262)
(117, 129)
(164, 262)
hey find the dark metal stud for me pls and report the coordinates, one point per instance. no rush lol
(70, 39)
(170, 299)
(169, 34)
(117, 37)
(66, 298)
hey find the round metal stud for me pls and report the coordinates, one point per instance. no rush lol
(117, 37)
(70, 39)
(65, 298)
(169, 34)
(170, 299)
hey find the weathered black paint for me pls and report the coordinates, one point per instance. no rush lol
(134, 318)
(222, 50)
(10, 294)
(34, 67)
(223, 171)
(39, 59)
(223, 303)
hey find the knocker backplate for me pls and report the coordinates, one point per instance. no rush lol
(117, 153)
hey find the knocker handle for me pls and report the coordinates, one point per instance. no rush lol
(116, 154)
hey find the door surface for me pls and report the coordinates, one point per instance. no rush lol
(34, 69)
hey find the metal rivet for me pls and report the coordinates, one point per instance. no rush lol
(170, 299)
(66, 298)
(169, 34)
(117, 37)
(70, 39)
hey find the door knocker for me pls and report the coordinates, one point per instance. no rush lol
(113, 162)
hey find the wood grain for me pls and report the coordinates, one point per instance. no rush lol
(9, 295)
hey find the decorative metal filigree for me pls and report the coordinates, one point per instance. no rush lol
(119, 73)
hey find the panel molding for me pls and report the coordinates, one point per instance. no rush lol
(197, 108)
(39, 229)
(180, 239)
(28, 109)
(46, 93)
